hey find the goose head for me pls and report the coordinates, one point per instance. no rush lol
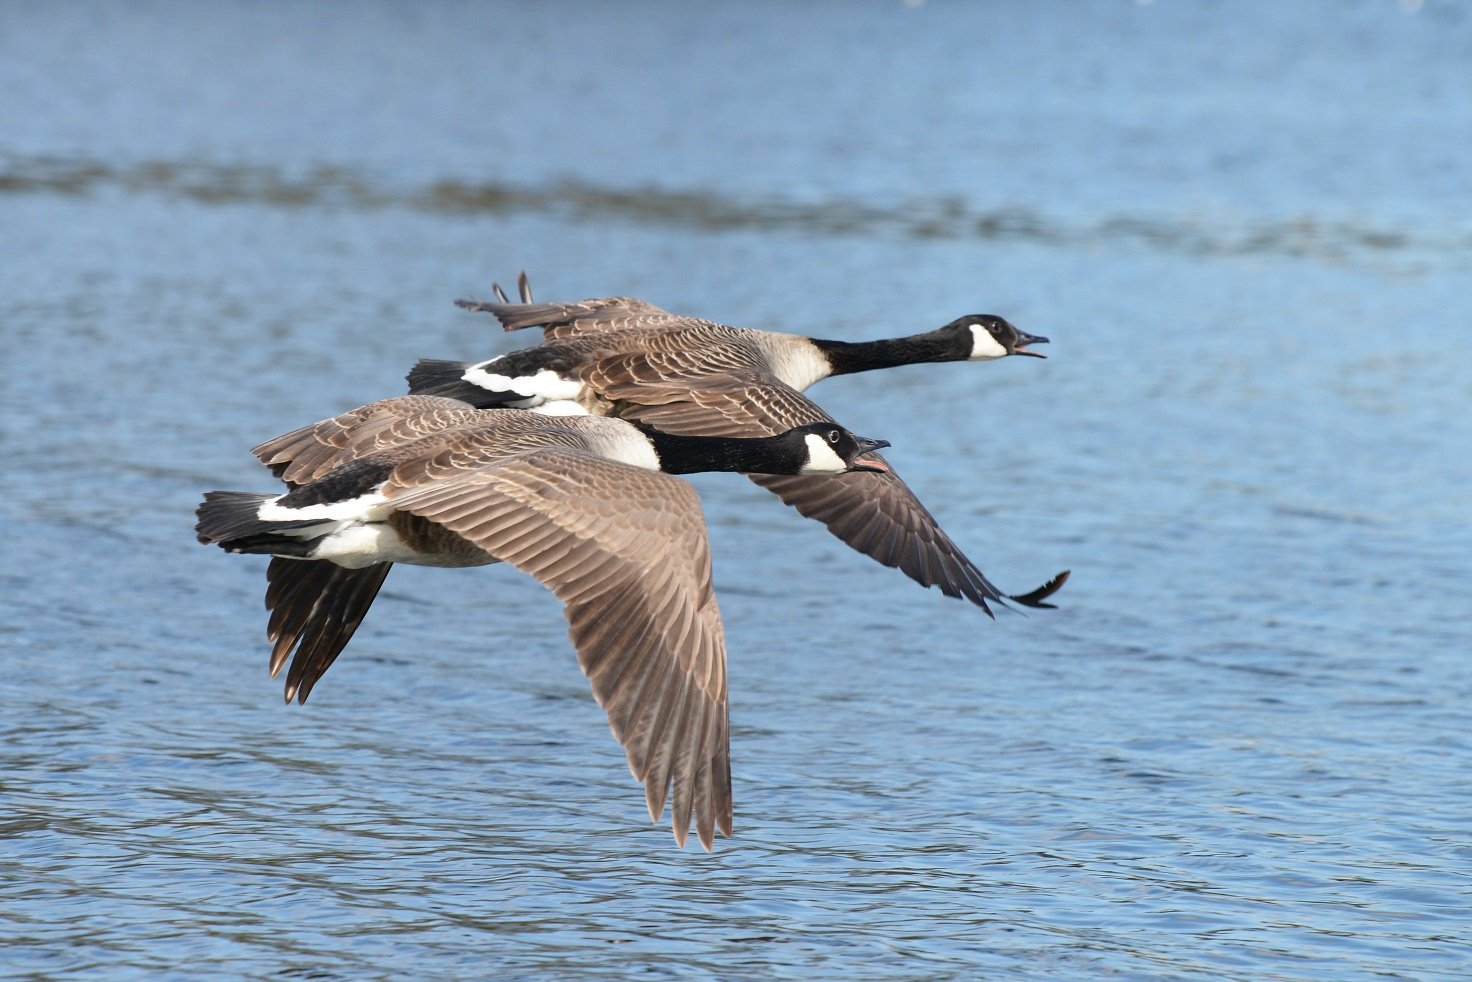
(991, 336)
(827, 448)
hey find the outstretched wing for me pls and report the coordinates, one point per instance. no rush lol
(567, 320)
(307, 453)
(625, 550)
(875, 513)
(315, 607)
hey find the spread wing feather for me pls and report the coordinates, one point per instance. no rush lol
(315, 608)
(307, 453)
(567, 320)
(633, 571)
(875, 513)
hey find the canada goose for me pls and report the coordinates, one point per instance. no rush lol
(585, 505)
(625, 357)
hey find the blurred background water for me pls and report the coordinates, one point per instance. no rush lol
(1238, 750)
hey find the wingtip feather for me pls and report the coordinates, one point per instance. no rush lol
(1036, 598)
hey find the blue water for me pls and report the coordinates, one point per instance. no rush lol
(1240, 748)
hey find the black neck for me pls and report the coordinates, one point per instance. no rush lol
(848, 357)
(695, 454)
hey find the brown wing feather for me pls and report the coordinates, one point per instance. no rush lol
(631, 563)
(879, 515)
(567, 320)
(315, 608)
(647, 387)
(875, 513)
(305, 454)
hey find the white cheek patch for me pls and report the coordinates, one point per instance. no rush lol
(544, 384)
(821, 458)
(983, 345)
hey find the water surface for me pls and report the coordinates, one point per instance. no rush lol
(1239, 750)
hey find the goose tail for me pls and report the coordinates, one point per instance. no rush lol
(231, 520)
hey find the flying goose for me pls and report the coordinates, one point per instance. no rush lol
(585, 505)
(963, 339)
(625, 357)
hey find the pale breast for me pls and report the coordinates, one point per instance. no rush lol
(794, 360)
(617, 440)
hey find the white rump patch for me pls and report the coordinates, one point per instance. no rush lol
(351, 533)
(560, 407)
(545, 385)
(821, 457)
(355, 546)
(370, 507)
(983, 345)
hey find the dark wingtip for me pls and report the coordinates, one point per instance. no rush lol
(1036, 597)
(479, 306)
(523, 290)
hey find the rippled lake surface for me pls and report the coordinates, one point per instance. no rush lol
(1239, 749)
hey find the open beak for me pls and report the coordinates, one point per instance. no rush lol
(867, 447)
(1019, 347)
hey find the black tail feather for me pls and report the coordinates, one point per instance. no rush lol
(433, 373)
(231, 520)
(226, 515)
(436, 377)
(271, 544)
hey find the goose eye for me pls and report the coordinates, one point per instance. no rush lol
(832, 436)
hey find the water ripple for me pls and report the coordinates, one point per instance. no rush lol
(916, 218)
